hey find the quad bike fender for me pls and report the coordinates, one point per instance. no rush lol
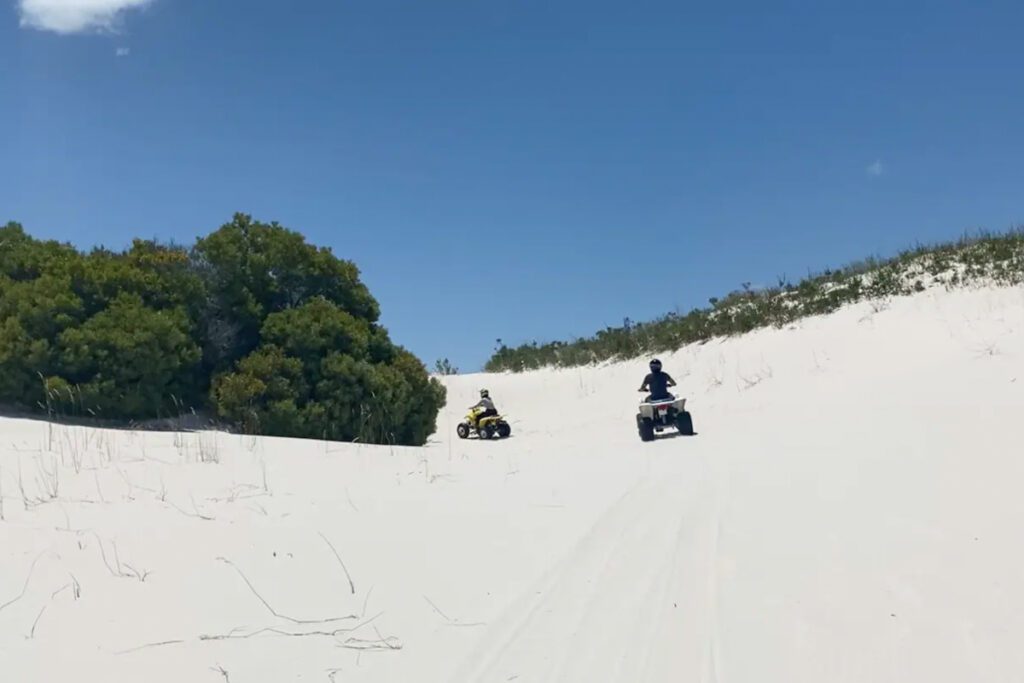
(647, 410)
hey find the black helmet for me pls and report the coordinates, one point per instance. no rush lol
(656, 365)
(484, 393)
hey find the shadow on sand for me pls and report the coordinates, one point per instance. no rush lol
(672, 435)
(191, 422)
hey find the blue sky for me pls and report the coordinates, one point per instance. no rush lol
(519, 169)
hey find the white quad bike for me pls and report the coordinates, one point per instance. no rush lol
(657, 416)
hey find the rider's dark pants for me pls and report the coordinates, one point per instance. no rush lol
(487, 413)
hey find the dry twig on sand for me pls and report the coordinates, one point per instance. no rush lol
(24, 589)
(351, 584)
(274, 611)
(451, 622)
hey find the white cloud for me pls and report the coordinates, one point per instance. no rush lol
(75, 16)
(123, 51)
(876, 169)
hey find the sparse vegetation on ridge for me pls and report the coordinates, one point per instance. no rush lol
(990, 258)
(445, 368)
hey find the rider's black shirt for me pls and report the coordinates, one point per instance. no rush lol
(657, 384)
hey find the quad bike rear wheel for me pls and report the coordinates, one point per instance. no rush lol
(646, 428)
(486, 432)
(684, 423)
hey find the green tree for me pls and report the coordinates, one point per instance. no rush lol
(317, 327)
(32, 315)
(254, 269)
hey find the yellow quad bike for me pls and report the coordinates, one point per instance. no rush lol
(487, 428)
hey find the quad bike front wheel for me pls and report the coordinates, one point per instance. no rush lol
(504, 430)
(462, 430)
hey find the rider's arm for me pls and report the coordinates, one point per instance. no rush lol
(671, 382)
(644, 387)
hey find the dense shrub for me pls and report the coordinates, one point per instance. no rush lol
(128, 357)
(321, 372)
(269, 333)
(997, 259)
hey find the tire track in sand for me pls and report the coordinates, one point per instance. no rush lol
(635, 600)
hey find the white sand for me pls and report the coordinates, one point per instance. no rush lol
(850, 510)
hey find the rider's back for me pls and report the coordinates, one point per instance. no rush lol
(657, 384)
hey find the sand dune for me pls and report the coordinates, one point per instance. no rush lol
(849, 510)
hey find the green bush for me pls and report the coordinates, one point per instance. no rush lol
(264, 393)
(128, 360)
(317, 377)
(315, 328)
(268, 333)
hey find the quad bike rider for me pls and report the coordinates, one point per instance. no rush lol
(484, 407)
(657, 382)
(660, 409)
(483, 418)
